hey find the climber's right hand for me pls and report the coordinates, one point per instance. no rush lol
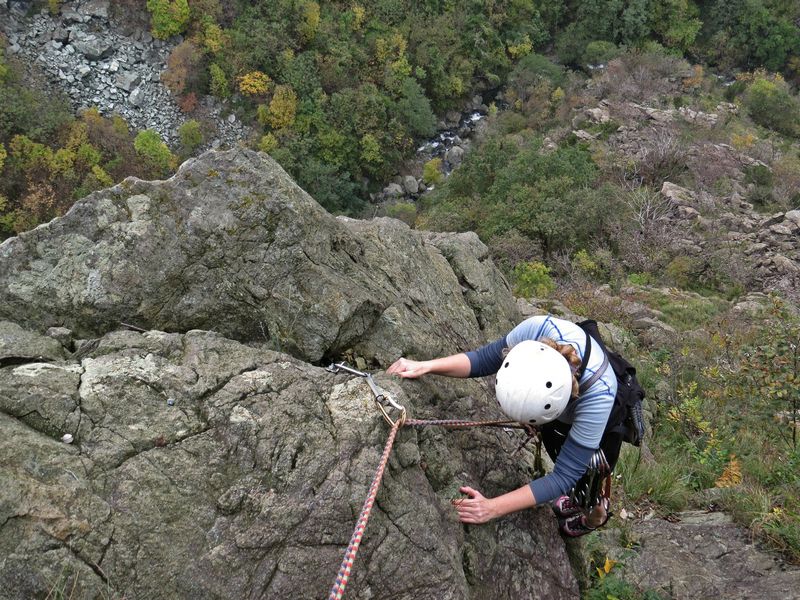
(409, 369)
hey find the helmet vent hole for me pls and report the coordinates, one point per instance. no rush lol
(505, 366)
(549, 384)
(532, 421)
(547, 406)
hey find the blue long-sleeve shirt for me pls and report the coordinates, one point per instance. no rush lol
(588, 413)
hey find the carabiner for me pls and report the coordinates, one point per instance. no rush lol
(379, 394)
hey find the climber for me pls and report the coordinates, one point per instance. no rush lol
(541, 381)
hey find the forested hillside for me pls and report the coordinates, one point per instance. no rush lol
(340, 92)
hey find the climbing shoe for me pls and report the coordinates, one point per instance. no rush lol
(564, 507)
(574, 526)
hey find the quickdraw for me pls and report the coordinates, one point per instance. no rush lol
(381, 399)
(379, 394)
(595, 484)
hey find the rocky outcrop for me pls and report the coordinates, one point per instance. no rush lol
(186, 464)
(202, 467)
(231, 244)
(699, 554)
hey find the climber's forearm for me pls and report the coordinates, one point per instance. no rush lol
(513, 501)
(457, 365)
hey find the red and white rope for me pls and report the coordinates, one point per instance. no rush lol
(337, 591)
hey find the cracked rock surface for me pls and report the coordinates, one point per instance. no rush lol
(703, 556)
(249, 483)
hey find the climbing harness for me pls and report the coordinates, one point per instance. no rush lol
(382, 398)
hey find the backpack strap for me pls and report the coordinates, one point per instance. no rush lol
(598, 374)
(585, 360)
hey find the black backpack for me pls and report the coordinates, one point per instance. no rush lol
(627, 415)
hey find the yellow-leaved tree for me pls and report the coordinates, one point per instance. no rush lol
(282, 107)
(310, 21)
(254, 83)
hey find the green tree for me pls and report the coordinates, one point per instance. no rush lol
(770, 103)
(148, 145)
(676, 22)
(219, 82)
(749, 33)
(414, 109)
(191, 136)
(309, 23)
(371, 149)
(168, 17)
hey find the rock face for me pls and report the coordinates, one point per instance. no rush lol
(704, 555)
(206, 467)
(231, 244)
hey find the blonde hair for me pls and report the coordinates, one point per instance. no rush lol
(571, 355)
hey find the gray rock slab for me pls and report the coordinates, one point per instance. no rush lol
(19, 345)
(92, 46)
(127, 80)
(95, 8)
(248, 484)
(705, 556)
(231, 243)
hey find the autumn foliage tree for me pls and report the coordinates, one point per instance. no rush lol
(183, 68)
(282, 107)
(254, 83)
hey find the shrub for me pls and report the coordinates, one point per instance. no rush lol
(585, 264)
(758, 174)
(188, 103)
(213, 37)
(191, 136)
(641, 279)
(432, 172)
(219, 82)
(532, 279)
(168, 17)
(371, 149)
(512, 248)
(600, 52)
(404, 211)
(267, 143)
(182, 71)
(148, 145)
(786, 172)
(770, 104)
(663, 159)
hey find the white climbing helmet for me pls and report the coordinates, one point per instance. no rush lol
(534, 383)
